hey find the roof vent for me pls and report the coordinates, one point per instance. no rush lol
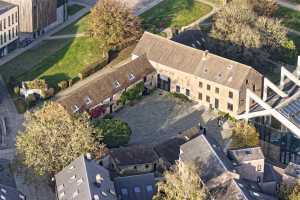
(205, 55)
(230, 66)
(99, 179)
(96, 197)
(88, 156)
(205, 70)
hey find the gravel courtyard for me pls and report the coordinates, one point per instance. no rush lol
(159, 117)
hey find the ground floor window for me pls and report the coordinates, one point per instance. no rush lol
(208, 99)
(177, 88)
(230, 107)
(187, 92)
(200, 96)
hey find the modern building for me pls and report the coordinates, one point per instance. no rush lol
(206, 78)
(84, 179)
(276, 116)
(38, 16)
(99, 93)
(137, 187)
(9, 27)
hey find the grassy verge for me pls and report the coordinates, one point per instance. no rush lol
(170, 13)
(290, 18)
(74, 8)
(79, 26)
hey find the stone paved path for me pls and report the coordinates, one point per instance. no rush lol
(288, 4)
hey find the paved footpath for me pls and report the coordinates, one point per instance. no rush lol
(287, 4)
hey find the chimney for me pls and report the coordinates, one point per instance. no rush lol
(99, 179)
(88, 156)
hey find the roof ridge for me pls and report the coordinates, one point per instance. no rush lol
(197, 50)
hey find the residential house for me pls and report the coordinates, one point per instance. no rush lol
(133, 160)
(9, 26)
(84, 179)
(99, 93)
(137, 187)
(206, 78)
(8, 190)
(38, 16)
(218, 173)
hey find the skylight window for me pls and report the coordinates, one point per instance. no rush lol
(149, 188)
(3, 190)
(116, 84)
(74, 108)
(87, 100)
(60, 187)
(131, 76)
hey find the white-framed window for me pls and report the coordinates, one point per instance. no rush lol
(131, 76)
(87, 100)
(116, 84)
(75, 108)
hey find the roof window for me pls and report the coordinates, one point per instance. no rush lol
(3, 190)
(87, 100)
(131, 76)
(116, 84)
(75, 108)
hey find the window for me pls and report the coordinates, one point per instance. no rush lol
(16, 14)
(75, 194)
(60, 187)
(187, 92)
(9, 35)
(230, 106)
(116, 84)
(146, 166)
(124, 191)
(137, 189)
(87, 100)
(61, 195)
(13, 32)
(253, 87)
(131, 77)
(258, 167)
(258, 179)
(216, 103)
(177, 88)
(200, 96)
(74, 108)
(0, 25)
(208, 87)
(12, 19)
(217, 90)
(1, 39)
(200, 84)
(8, 20)
(247, 81)
(149, 188)
(4, 23)
(230, 95)
(145, 79)
(207, 99)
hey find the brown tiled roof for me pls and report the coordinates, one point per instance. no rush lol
(133, 155)
(193, 61)
(99, 86)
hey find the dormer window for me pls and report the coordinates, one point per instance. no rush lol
(75, 108)
(131, 76)
(116, 84)
(87, 100)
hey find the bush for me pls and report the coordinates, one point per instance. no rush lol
(132, 94)
(21, 105)
(50, 92)
(17, 90)
(63, 85)
(180, 96)
(73, 81)
(92, 68)
(114, 132)
(36, 84)
(30, 100)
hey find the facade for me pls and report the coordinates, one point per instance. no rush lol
(37, 16)
(203, 77)
(133, 160)
(9, 27)
(99, 93)
(84, 179)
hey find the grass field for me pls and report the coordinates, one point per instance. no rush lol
(74, 8)
(170, 13)
(53, 61)
(290, 18)
(79, 26)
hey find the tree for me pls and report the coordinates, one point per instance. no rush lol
(244, 135)
(113, 23)
(264, 7)
(114, 132)
(52, 139)
(182, 183)
(240, 34)
(290, 192)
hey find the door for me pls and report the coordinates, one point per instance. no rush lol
(217, 103)
(163, 82)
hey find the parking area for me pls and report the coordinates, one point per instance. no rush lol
(159, 117)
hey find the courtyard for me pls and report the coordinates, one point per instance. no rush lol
(159, 117)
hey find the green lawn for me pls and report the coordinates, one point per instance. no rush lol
(74, 8)
(290, 18)
(174, 13)
(54, 60)
(79, 26)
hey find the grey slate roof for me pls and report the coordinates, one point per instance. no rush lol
(193, 61)
(7, 183)
(246, 154)
(5, 6)
(138, 187)
(78, 181)
(133, 155)
(208, 155)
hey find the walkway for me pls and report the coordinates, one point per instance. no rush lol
(55, 37)
(287, 4)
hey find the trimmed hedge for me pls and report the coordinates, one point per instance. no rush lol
(92, 68)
